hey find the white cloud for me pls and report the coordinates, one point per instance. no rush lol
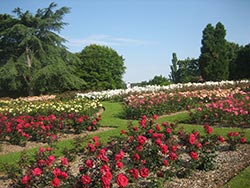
(105, 40)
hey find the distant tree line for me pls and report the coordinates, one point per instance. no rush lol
(34, 61)
(219, 60)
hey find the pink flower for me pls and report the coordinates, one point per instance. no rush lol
(64, 161)
(25, 179)
(168, 130)
(37, 172)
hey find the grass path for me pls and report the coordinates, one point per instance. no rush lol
(111, 118)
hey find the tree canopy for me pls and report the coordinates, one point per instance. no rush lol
(213, 62)
(101, 68)
(33, 59)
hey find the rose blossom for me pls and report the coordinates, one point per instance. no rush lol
(194, 155)
(122, 180)
(134, 172)
(192, 139)
(89, 163)
(25, 179)
(85, 179)
(56, 182)
(144, 172)
(37, 172)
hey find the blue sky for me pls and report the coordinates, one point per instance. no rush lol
(145, 32)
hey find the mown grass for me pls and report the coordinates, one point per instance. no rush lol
(111, 118)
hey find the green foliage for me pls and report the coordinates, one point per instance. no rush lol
(101, 68)
(243, 63)
(183, 71)
(33, 59)
(213, 62)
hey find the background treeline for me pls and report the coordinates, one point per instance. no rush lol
(34, 61)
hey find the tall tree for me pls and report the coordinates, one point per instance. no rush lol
(174, 74)
(32, 53)
(243, 63)
(101, 68)
(213, 62)
(232, 54)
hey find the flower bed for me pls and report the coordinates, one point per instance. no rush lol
(24, 120)
(162, 102)
(145, 156)
(232, 111)
(119, 94)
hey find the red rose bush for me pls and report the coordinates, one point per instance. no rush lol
(145, 155)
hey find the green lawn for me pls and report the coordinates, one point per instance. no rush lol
(110, 118)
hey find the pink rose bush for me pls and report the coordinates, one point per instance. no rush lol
(146, 154)
(233, 111)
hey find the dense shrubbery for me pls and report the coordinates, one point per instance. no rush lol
(233, 111)
(144, 156)
(32, 119)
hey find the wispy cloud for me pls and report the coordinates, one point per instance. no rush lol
(106, 40)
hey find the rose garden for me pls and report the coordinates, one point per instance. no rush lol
(157, 135)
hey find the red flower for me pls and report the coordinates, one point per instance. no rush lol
(136, 157)
(173, 156)
(94, 122)
(157, 126)
(119, 164)
(56, 182)
(95, 139)
(174, 148)
(198, 145)
(165, 162)
(164, 148)
(144, 172)
(123, 132)
(86, 179)
(134, 172)
(64, 161)
(37, 172)
(89, 163)
(25, 179)
(141, 140)
(192, 139)
(221, 139)
(119, 156)
(122, 180)
(243, 140)
(168, 130)
(57, 172)
(194, 155)
(155, 117)
(80, 120)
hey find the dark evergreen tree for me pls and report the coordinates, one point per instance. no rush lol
(243, 63)
(33, 58)
(174, 74)
(213, 62)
